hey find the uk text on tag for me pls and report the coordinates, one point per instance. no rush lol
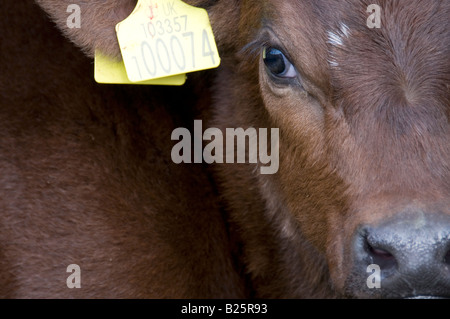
(162, 38)
(107, 71)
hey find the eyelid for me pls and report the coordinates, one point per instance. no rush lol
(266, 38)
(273, 40)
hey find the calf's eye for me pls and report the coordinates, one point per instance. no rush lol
(277, 63)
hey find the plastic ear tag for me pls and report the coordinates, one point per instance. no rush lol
(162, 38)
(108, 71)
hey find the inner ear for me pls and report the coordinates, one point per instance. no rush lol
(98, 22)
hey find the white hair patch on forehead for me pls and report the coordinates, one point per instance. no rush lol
(333, 63)
(344, 29)
(336, 39)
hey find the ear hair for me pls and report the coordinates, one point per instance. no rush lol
(99, 18)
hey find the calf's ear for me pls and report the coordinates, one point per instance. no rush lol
(98, 21)
(99, 17)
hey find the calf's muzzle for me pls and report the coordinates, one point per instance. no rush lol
(411, 252)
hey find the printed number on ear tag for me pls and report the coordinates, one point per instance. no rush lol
(166, 37)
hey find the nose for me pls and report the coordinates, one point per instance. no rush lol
(412, 252)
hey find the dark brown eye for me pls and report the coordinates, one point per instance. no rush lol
(277, 63)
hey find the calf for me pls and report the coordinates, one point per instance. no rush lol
(364, 172)
(363, 180)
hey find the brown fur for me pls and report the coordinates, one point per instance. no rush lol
(87, 176)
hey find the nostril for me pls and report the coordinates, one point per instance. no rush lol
(380, 253)
(382, 257)
(447, 258)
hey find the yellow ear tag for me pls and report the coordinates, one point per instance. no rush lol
(108, 71)
(162, 38)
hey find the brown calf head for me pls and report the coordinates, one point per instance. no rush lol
(363, 113)
(364, 135)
